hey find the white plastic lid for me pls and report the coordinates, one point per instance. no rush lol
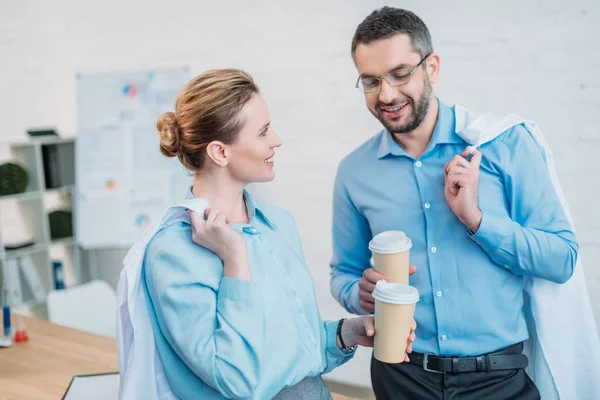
(395, 293)
(390, 242)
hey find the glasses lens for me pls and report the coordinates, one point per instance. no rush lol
(368, 85)
(398, 79)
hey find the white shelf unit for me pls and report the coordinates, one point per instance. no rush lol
(28, 214)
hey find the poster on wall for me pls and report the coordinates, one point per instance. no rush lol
(123, 182)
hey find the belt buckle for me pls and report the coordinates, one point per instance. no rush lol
(426, 368)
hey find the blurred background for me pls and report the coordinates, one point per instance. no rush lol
(540, 59)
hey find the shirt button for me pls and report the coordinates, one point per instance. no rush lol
(444, 337)
(434, 249)
(418, 163)
(438, 293)
(427, 205)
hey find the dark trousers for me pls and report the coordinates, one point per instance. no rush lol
(411, 382)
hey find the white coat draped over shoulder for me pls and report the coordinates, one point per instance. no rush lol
(564, 348)
(141, 372)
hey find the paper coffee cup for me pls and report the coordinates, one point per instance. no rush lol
(391, 251)
(394, 312)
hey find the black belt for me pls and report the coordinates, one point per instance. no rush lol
(508, 358)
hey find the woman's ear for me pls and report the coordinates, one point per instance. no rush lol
(218, 153)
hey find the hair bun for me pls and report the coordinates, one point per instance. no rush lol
(170, 139)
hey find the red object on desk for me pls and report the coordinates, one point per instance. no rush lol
(21, 333)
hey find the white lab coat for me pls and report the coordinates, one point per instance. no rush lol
(141, 371)
(564, 348)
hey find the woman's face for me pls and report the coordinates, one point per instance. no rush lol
(252, 153)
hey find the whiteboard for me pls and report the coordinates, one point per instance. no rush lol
(122, 181)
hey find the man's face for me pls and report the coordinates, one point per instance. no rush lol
(401, 109)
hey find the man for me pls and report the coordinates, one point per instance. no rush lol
(479, 224)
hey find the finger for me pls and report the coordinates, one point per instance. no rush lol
(461, 161)
(221, 220)
(455, 178)
(368, 307)
(373, 276)
(451, 192)
(197, 223)
(366, 285)
(369, 326)
(206, 213)
(412, 269)
(409, 348)
(450, 188)
(412, 337)
(455, 167)
(413, 327)
(366, 296)
(212, 216)
(459, 170)
(196, 220)
(458, 179)
(406, 359)
(476, 159)
(452, 180)
(468, 151)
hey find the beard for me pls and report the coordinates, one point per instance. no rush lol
(418, 112)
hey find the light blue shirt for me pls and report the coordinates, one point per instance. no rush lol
(471, 286)
(228, 338)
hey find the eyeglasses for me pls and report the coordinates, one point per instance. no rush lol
(372, 84)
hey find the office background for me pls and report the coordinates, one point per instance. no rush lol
(540, 59)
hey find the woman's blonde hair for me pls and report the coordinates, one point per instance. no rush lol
(207, 109)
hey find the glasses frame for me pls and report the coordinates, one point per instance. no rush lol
(380, 78)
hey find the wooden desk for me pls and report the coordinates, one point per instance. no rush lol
(42, 368)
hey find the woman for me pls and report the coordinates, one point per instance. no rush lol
(230, 299)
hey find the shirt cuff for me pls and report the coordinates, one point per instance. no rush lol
(331, 331)
(238, 289)
(355, 301)
(492, 231)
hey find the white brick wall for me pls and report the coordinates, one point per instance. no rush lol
(539, 59)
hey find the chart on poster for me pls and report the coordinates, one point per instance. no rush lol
(123, 182)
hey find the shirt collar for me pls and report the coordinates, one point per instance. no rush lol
(443, 133)
(251, 204)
